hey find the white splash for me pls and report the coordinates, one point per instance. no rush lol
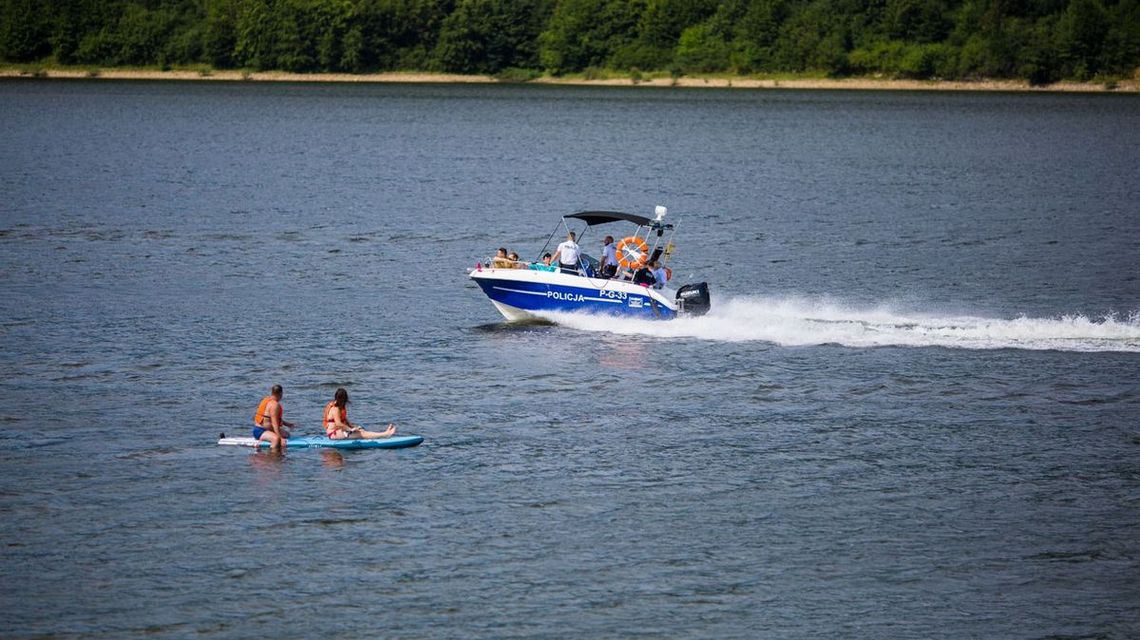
(796, 321)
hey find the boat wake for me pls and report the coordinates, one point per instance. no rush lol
(801, 322)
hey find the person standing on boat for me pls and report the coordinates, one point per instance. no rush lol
(567, 255)
(609, 263)
(337, 426)
(269, 419)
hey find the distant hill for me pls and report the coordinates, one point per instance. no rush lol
(1042, 41)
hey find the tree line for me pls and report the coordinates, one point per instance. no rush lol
(1039, 40)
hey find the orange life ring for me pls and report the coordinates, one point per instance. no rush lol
(632, 252)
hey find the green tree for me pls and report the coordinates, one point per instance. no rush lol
(256, 35)
(1039, 62)
(757, 34)
(659, 30)
(399, 34)
(70, 21)
(141, 34)
(294, 44)
(221, 32)
(701, 49)
(813, 39)
(982, 32)
(24, 31)
(352, 50)
(919, 21)
(586, 33)
(1121, 51)
(1082, 29)
(487, 36)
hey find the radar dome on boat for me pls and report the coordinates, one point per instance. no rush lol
(660, 211)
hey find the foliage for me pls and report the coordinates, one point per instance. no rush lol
(488, 36)
(1039, 40)
(701, 50)
(516, 75)
(587, 33)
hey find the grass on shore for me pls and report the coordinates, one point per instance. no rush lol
(46, 69)
(591, 75)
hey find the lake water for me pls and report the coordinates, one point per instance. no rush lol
(912, 413)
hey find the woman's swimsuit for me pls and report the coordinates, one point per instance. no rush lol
(331, 430)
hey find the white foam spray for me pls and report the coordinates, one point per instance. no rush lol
(798, 321)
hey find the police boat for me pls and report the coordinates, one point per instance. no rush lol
(529, 290)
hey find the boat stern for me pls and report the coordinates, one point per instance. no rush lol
(694, 299)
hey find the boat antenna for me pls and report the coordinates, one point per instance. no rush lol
(658, 226)
(548, 239)
(668, 249)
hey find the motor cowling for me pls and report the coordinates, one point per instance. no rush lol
(693, 299)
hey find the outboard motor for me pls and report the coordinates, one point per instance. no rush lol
(693, 299)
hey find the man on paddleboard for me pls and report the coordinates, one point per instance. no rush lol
(269, 420)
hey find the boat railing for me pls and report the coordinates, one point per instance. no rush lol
(587, 265)
(507, 263)
(588, 268)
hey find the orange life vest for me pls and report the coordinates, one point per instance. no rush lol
(260, 416)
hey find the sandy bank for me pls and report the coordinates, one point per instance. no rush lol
(860, 84)
(246, 76)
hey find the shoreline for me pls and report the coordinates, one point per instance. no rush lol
(710, 82)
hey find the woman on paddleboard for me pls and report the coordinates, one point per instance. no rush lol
(337, 426)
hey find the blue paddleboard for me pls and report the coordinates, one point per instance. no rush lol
(317, 442)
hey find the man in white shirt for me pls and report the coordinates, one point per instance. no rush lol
(609, 263)
(566, 255)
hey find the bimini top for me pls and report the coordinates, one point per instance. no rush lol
(592, 218)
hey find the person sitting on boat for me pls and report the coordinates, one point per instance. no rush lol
(269, 420)
(644, 276)
(660, 274)
(337, 426)
(567, 255)
(501, 260)
(544, 265)
(609, 264)
(515, 262)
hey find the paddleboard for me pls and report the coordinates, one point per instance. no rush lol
(316, 442)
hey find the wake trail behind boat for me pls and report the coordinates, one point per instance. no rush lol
(803, 322)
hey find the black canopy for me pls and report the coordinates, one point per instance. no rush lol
(592, 218)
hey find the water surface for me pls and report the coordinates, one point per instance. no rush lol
(912, 412)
